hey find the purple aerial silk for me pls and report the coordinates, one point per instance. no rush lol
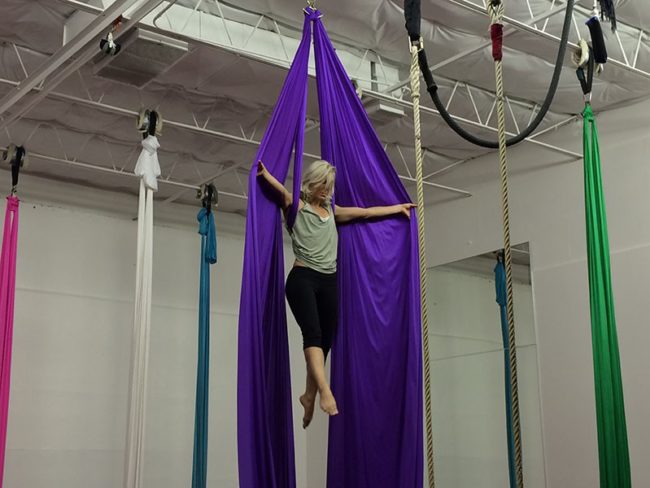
(264, 415)
(376, 440)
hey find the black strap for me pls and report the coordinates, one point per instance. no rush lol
(609, 11)
(209, 197)
(15, 165)
(587, 79)
(597, 40)
(153, 121)
(413, 18)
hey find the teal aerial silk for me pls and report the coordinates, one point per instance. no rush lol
(208, 257)
(610, 406)
(502, 300)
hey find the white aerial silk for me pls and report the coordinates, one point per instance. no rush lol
(148, 169)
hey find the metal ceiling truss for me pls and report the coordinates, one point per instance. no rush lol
(581, 14)
(51, 73)
(75, 161)
(196, 128)
(483, 123)
(482, 45)
(389, 83)
(375, 82)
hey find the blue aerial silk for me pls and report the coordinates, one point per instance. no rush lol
(208, 257)
(502, 300)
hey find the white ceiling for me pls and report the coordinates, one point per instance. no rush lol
(219, 96)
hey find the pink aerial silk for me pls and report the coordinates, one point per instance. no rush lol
(7, 295)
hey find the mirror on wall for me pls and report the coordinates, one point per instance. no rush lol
(469, 371)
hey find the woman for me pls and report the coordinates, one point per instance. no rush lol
(311, 285)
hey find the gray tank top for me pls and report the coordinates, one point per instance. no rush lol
(315, 240)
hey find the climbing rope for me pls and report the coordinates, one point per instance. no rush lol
(419, 158)
(497, 11)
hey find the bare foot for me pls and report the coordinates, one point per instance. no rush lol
(328, 403)
(308, 404)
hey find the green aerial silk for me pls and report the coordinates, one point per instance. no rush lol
(610, 406)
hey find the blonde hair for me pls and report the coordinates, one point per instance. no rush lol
(319, 172)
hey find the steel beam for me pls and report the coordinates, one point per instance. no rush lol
(473, 7)
(68, 50)
(88, 53)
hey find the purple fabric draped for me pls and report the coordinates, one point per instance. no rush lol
(376, 440)
(264, 415)
(7, 296)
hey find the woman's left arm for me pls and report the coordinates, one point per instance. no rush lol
(347, 214)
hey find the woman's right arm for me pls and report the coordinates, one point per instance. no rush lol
(287, 198)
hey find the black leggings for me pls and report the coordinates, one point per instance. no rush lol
(313, 298)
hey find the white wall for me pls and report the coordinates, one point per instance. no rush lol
(72, 343)
(467, 382)
(74, 307)
(548, 211)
